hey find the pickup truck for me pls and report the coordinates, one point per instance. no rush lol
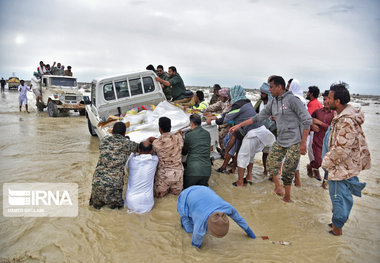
(118, 94)
(59, 94)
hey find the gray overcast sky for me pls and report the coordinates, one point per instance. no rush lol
(216, 41)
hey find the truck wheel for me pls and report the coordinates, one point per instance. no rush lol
(91, 128)
(52, 109)
(40, 106)
(82, 112)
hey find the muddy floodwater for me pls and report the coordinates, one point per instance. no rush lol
(37, 148)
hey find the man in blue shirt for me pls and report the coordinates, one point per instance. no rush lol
(201, 209)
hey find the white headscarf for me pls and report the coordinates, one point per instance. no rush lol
(296, 89)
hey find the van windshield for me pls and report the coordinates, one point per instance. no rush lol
(64, 82)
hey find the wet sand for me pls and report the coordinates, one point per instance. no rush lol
(36, 148)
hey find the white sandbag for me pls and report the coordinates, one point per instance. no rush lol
(139, 195)
(149, 128)
(134, 119)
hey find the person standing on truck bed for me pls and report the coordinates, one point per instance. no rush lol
(58, 70)
(68, 71)
(165, 76)
(108, 179)
(176, 83)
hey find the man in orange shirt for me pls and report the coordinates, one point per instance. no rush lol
(313, 105)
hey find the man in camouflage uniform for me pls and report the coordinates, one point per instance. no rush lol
(169, 175)
(108, 179)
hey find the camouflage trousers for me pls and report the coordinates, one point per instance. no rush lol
(107, 190)
(168, 180)
(275, 158)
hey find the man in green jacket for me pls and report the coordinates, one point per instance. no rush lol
(165, 76)
(175, 82)
(197, 147)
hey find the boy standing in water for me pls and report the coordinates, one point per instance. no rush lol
(22, 98)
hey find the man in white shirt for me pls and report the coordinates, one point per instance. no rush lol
(142, 168)
(22, 98)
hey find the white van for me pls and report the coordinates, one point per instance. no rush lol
(115, 95)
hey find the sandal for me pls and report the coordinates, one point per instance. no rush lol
(221, 170)
(245, 181)
(235, 184)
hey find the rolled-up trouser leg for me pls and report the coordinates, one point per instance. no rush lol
(275, 158)
(341, 199)
(291, 163)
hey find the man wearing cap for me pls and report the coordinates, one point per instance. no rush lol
(201, 209)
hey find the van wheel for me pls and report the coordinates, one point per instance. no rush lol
(91, 128)
(82, 112)
(52, 109)
(40, 106)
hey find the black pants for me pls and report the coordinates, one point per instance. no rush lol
(195, 180)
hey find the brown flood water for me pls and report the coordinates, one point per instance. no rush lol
(36, 148)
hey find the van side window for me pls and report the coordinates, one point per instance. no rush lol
(108, 92)
(148, 84)
(135, 85)
(121, 89)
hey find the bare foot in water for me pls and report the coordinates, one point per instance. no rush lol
(297, 180)
(286, 199)
(279, 191)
